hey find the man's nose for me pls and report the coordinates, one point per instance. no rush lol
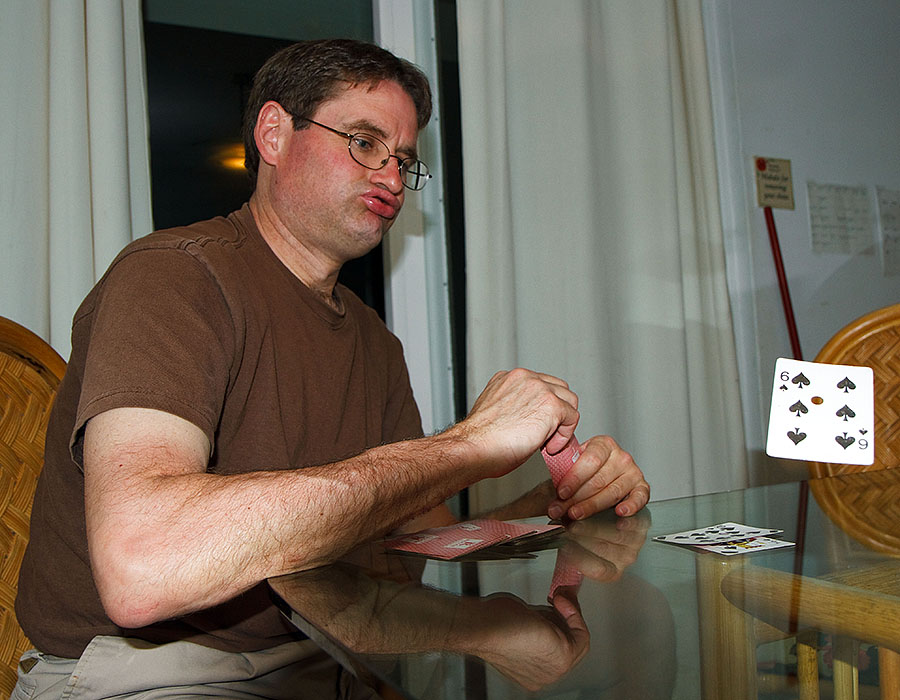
(389, 175)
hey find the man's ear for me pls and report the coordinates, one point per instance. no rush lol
(273, 126)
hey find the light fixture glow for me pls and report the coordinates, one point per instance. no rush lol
(230, 156)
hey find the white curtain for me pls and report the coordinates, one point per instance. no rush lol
(593, 236)
(75, 185)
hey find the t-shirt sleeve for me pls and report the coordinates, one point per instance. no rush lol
(161, 337)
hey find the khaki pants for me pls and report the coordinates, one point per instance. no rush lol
(117, 667)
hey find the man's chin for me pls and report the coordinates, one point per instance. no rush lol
(366, 244)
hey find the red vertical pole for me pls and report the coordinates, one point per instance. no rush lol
(783, 285)
(798, 355)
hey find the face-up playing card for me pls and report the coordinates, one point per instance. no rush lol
(757, 544)
(822, 413)
(717, 534)
(727, 538)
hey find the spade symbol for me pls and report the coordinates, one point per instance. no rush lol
(845, 412)
(800, 380)
(844, 441)
(796, 436)
(846, 385)
(799, 408)
(782, 388)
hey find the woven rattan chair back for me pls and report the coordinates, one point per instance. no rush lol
(872, 341)
(30, 372)
(868, 514)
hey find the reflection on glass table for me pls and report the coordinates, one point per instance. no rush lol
(545, 624)
(642, 619)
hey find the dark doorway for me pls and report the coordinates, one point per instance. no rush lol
(198, 81)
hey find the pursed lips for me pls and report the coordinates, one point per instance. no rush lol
(381, 202)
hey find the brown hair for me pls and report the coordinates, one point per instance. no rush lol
(304, 75)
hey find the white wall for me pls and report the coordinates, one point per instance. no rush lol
(815, 82)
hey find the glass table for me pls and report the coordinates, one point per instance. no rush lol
(659, 621)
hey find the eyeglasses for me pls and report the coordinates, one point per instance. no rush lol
(373, 153)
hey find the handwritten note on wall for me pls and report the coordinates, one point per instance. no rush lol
(889, 221)
(840, 218)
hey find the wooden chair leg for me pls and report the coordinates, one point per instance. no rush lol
(846, 671)
(808, 665)
(889, 673)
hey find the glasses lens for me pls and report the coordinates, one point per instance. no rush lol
(414, 173)
(373, 153)
(369, 151)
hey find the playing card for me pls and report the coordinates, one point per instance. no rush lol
(461, 539)
(727, 538)
(560, 463)
(529, 537)
(757, 544)
(565, 574)
(717, 534)
(822, 413)
(452, 541)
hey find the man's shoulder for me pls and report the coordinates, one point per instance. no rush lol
(206, 250)
(219, 246)
(226, 232)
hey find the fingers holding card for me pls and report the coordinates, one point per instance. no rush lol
(822, 413)
(560, 463)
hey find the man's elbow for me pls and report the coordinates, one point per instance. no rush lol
(130, 614)
(129, 593)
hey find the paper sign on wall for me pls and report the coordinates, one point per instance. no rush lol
(889, 220)
(774, 187)
(840, 219)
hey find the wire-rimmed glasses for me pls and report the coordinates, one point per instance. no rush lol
(373, 153)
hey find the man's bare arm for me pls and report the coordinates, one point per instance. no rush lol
(166, 538)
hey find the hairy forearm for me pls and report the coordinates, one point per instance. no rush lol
(181, 542)
(166, 538)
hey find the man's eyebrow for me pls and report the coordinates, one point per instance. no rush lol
(364, 125)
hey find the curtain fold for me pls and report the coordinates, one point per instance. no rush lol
(76, 188)
(593, 240)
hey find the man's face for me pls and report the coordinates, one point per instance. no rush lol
(335, 207)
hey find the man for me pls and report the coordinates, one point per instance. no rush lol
(230, 413)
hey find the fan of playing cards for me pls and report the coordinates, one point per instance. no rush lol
(822, 413)
(491, 539)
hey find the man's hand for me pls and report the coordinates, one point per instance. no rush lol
(604, 476)
(517, 413)
(520, 412)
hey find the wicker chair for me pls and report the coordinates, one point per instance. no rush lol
(872, 341)
(868, 512)
(30, 372)
(869, 516)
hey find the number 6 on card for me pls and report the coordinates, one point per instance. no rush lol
(822, 413)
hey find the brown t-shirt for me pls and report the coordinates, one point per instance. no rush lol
(206, 323)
